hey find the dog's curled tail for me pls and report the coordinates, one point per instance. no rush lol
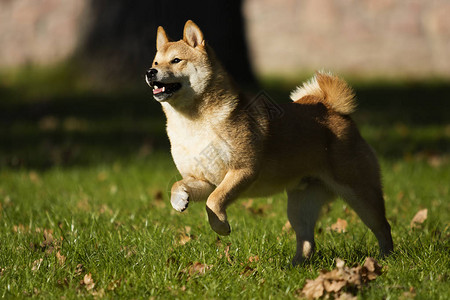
(328, 89)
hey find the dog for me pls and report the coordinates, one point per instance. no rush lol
(225, 146)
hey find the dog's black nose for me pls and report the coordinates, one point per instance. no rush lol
(151, 73)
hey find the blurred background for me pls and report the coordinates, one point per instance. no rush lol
(71, 72)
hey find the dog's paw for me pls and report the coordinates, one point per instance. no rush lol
(221, 227)
(179, 199)
(219, 224)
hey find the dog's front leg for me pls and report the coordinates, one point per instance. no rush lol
(234, 182)
(189, 189)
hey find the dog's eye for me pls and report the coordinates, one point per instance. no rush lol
(155, 63)
(175, 60)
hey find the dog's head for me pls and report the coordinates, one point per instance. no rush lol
(181, 70)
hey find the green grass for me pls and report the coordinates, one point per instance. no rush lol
(95, 169)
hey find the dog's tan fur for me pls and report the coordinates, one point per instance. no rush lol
(313, 150)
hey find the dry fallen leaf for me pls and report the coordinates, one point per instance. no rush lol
(114, 284)
(411, 294)
(346, 296)
(60, 258)
(339, 281)
(183, 239)
(227, 253)
(247, 271)
(313, 289)
(334, 285)
(372, 267)
(78, 270)
(36, 265)
(339, 226)
(88, 282)
(34, 177)
(198, 268)
(99, 293)
(19, 228)
(105, 209)
(254, 258)
(185, 236)
(419, 218)
(49, 244)
(128, 251)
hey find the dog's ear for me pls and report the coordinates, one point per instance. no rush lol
(192, 35)
(161, 38)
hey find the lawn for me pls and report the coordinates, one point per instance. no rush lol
(84, 209)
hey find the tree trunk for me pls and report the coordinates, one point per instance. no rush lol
(119, 39)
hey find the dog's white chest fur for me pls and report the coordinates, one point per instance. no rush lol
(197, 149)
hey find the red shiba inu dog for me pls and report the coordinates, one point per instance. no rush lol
(226, 146)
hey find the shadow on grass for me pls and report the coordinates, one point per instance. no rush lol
(40, 132)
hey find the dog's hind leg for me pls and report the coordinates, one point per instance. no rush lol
(356, 178)
(368, 203)
(304, 204)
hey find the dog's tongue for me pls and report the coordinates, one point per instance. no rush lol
(158, 90)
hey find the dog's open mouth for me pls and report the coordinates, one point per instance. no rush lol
(166, 89)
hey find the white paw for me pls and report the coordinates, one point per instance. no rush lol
(179, 200)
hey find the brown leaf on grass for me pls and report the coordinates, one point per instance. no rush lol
(371, 268)
(49, 244)
(409, 294)
(114, 284)
(19, 229)
(339, 226)
(346, 296)
(338, 282)
(254, 258)
(88, 282)
(128, 251)
(102, 176)
(247, 271)
(36, 265)
(185, 236)
(105, 209)
(48, 238)
(227, 253)
(334, 285)
(249, 267)
(419, 218)
(34, 177)
(313, 289)
(183, 239)
(99, 293)
(197, 268)
(83, 204)
(60, 258)
(63, 282)
(78, 270)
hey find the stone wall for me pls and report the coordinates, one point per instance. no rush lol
(383, 38)
(408, 38)
(39, 31)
